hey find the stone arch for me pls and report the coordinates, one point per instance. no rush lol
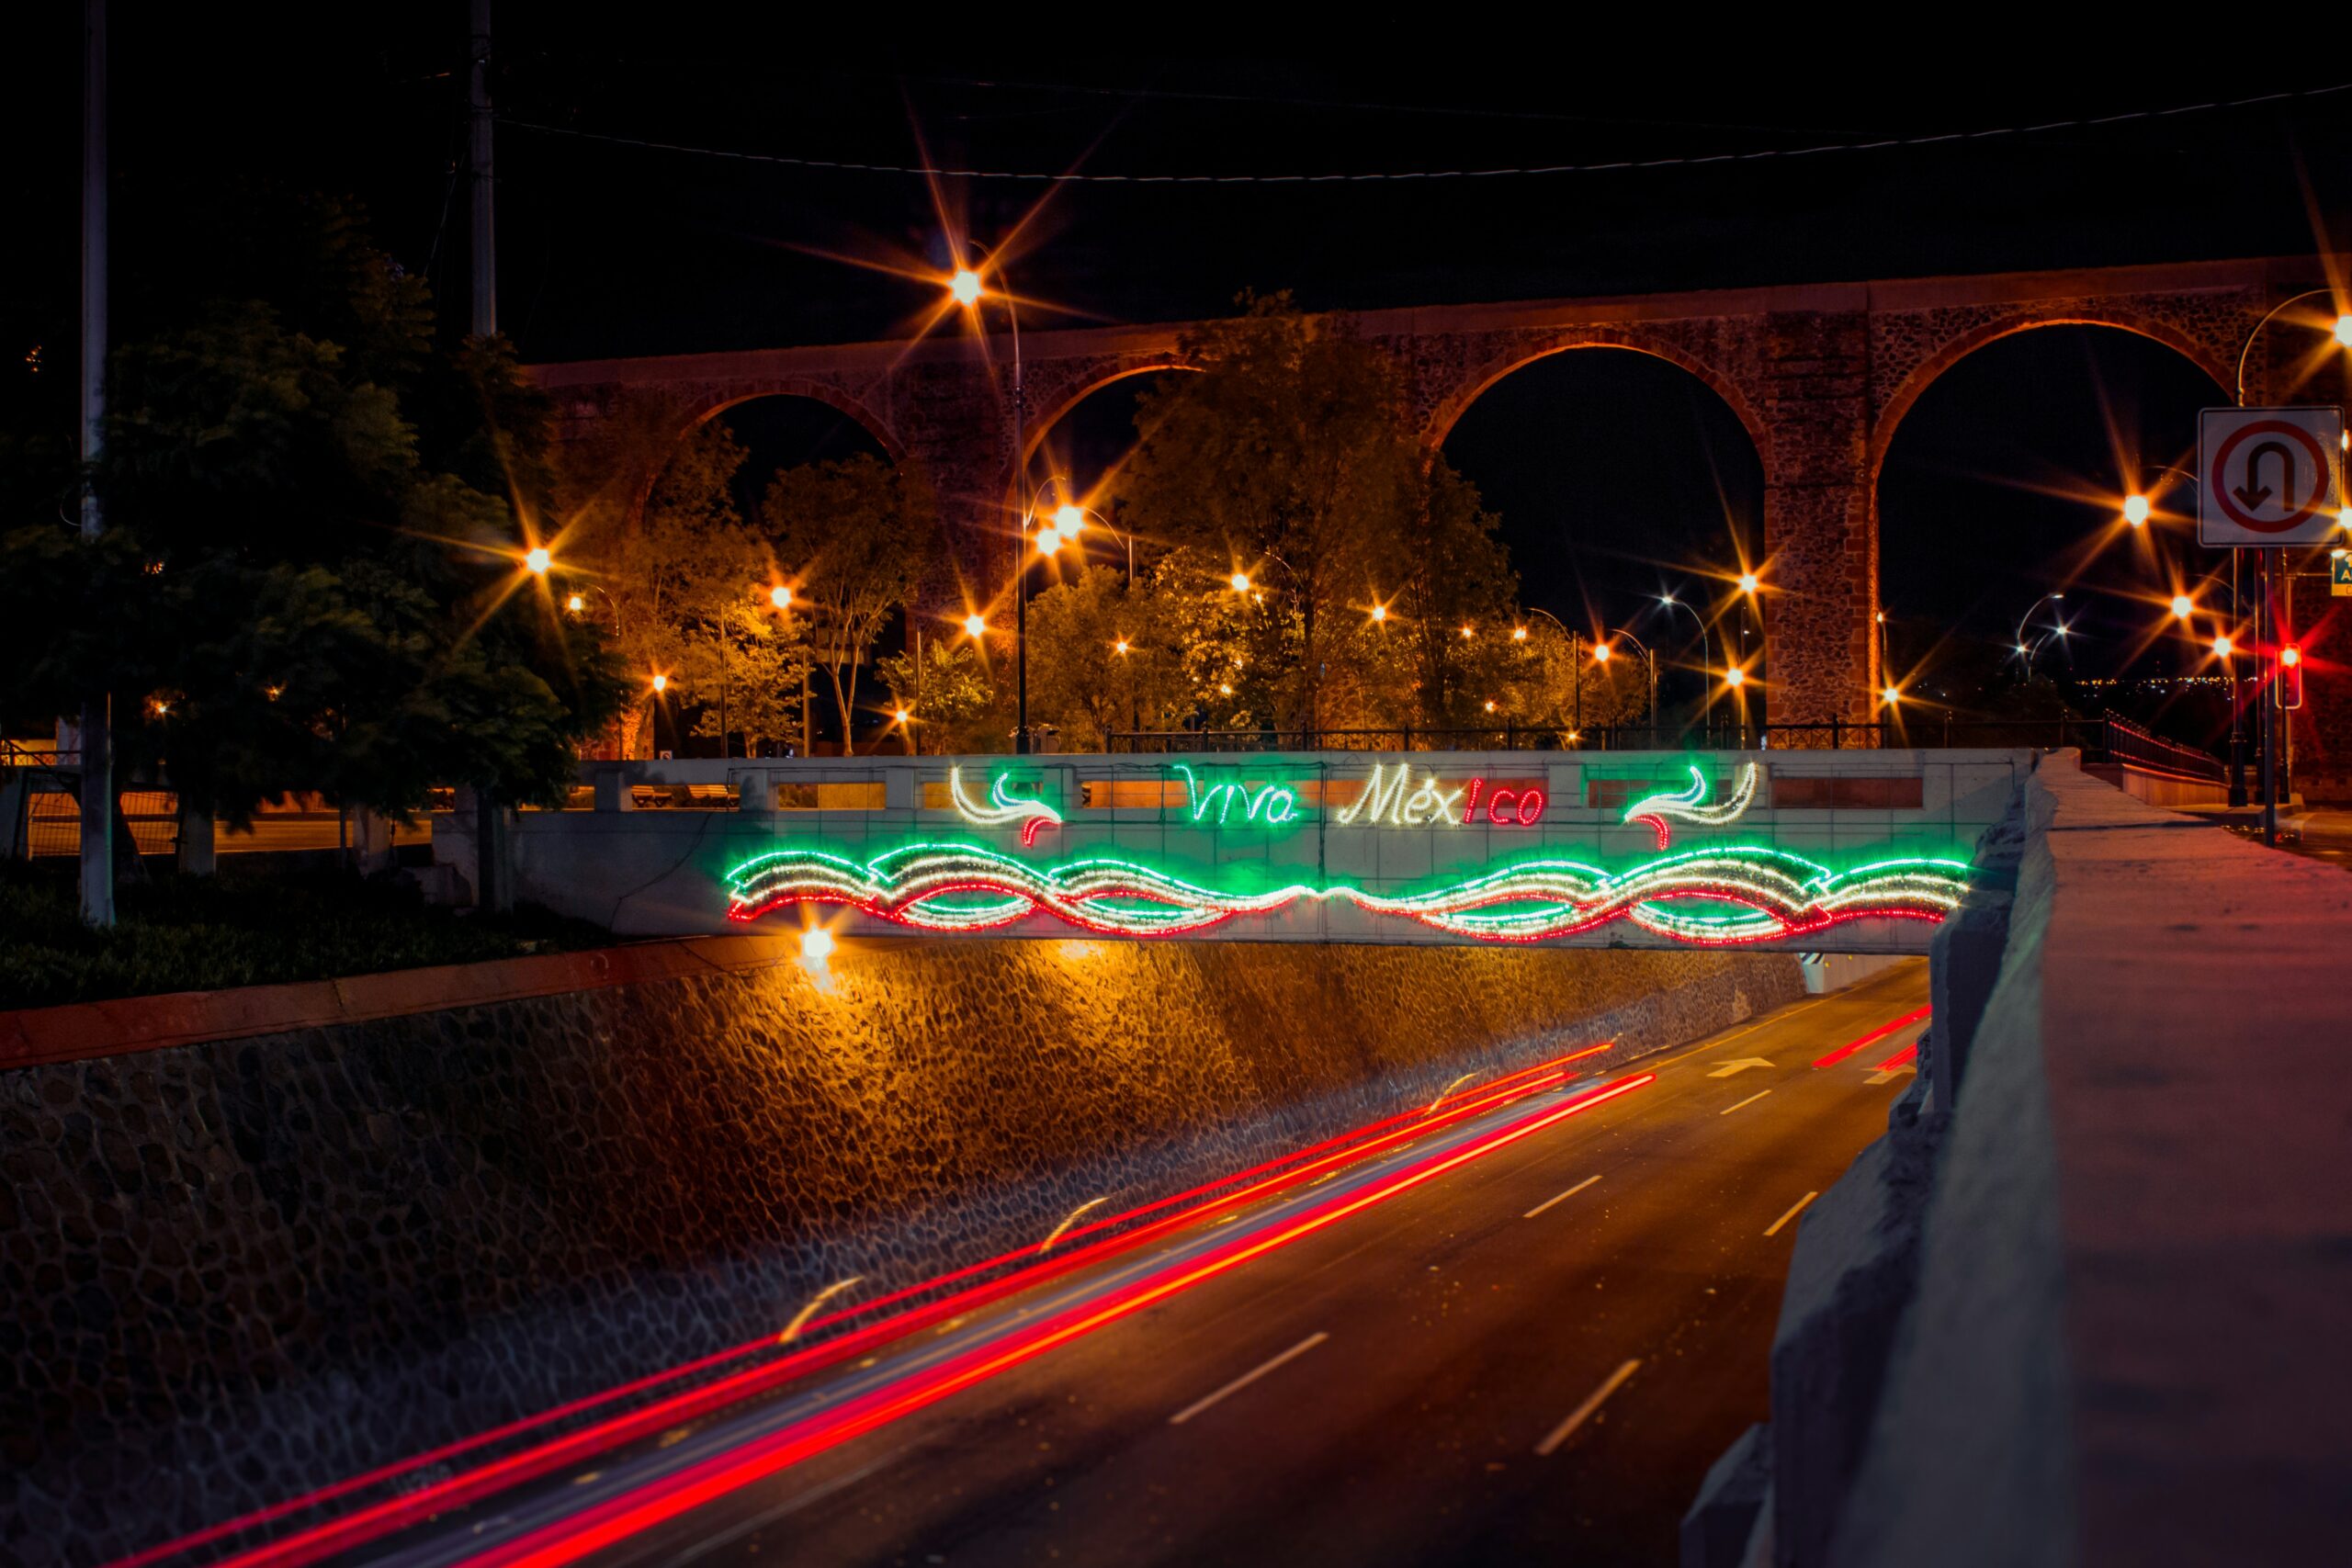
(716, 401)
(1074, 389)
(1447, 409)
(1899, 399)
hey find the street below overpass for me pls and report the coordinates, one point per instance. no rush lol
(1521, 1337)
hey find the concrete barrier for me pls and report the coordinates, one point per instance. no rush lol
(2085, 1304)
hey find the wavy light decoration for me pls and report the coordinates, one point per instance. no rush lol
(1688, 805)
(1002, 809)
(961, 887)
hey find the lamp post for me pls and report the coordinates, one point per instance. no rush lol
(966, 288)
(2018, 642)
(1708, 704)
(1601, 655)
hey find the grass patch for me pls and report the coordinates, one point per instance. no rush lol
(247, 926)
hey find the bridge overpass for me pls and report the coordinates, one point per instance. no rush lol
(1830, 852)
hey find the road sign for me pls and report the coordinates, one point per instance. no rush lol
(2272, 476)
(2339, 574)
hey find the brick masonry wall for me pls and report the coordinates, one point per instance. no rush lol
(235, 1271)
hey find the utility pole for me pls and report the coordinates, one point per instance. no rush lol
(97, 737)
(492, 861)
(483, 244)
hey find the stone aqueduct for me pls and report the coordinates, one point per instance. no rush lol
(1820, 375)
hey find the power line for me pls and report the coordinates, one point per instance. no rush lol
(1398, 176)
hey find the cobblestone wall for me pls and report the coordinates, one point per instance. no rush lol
(233, 1271)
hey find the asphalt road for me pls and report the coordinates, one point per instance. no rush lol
(1522, 1339)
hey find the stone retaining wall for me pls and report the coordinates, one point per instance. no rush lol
(233, 1270)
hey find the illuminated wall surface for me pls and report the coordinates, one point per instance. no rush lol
(1496, 848)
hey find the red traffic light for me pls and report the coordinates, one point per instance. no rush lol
(2288, 687)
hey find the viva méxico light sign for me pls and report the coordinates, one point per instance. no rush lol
(1726, 890)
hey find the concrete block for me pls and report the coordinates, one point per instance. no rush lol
(1716, 1530)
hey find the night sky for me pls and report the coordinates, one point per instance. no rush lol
(1618, 477)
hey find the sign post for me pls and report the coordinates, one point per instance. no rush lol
(2271, 479)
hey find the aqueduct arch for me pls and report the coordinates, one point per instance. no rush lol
(1821, 375)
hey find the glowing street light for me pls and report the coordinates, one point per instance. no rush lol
(1379, 613)
(1519, 633)
(1750, 582)
(965, 286)
(901, 716)
(1069, 518)
(575, 604)
(2342, 330)
(2182, 606)
(2223, 646)
(1239, 581)
(1120, 648)
(1049, 540)
(1893, 695)
(1735, 677)
(1467, 634)
(781, 597)
(538, 561)
(2135, 511)
(660, 685)
(816, 945)
(975, 625)
(1600, 653)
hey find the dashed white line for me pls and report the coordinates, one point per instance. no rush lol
(1794, 1209)
(1592, 1402)
(1569, 1193)
(1749, 1101)
(1245, 1379)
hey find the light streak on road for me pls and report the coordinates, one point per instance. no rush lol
(666, 1497)
(1569, 1193)
(383, 1517)
(1873, 1037)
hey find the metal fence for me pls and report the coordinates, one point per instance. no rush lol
(2103, 739)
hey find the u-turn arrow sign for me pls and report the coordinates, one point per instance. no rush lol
(2271, 476)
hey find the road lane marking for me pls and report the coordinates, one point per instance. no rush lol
(1888, 1074)
(1749, 1101)
(1794, 1209)
(1765, 1022)
(1592, 1402)
(1245, 1379)
(1569, 1193)
(1733, 1069)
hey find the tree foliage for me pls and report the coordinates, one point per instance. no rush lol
(1283, 459)
(310, 577)
(864, 540)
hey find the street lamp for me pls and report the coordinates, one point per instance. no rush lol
(1238, 583)
(1601, 655)
(2135, 511)
(538, 560)
(1708, 709)
(2018, 641)
(966, 288)
(2183, 606)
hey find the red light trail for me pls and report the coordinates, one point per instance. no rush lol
(381, 1519)
(1873, 1037)
(664, 1498)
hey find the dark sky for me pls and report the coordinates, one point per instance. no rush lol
(607, 249)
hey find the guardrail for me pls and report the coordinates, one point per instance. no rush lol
(2107, 737)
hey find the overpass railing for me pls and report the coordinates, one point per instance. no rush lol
(2104, 738)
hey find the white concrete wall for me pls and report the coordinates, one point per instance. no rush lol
(660, 872)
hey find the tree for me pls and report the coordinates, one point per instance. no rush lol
(865, 542)
(1285, 457)
(1104, 658)
(311, 577)
(673, 567)
(954, 702)
(1455, 605)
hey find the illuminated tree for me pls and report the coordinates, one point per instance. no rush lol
(860, 540)
(1103, 658)
(1283, 460)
